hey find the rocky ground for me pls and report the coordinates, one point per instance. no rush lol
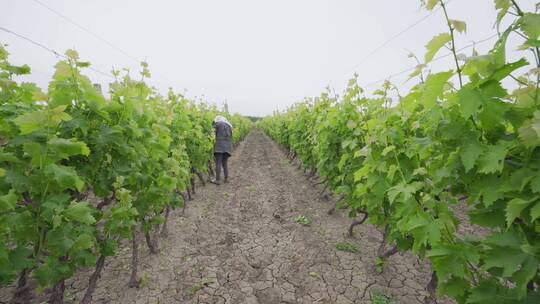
(247, 242)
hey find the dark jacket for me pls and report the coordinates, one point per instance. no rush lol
(223, 138)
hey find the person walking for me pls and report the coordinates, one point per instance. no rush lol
(222, 147)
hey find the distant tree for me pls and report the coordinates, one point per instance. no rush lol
(253, 118)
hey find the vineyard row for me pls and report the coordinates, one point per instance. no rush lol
(450, 172)
(80, 173)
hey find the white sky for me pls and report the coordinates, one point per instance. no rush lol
(257, 55)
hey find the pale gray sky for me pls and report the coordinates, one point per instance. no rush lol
(258, 55)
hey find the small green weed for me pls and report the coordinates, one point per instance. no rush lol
(347, 247)
(378, 297)
(302, 220)
(198, 286)
(314, 275)
(144, 280)
(379, 265)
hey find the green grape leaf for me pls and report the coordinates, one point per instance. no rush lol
(529, 132)
(80, 212)
(514, 208)
(503, 6)
(417, 71)
(20, 258)
(109, 248)
(420, 171)
(414, 222)
(498, 52)
(459, 26)
(493, 216)
(18, 70)
(504, 239)
(483, 293)
(8, 201)
(469, 154)
(454, 287)
(478, 65)
(392, 171)
(433, 88)
(39, 120)
(519, 180)
(492, 114)
(535, 184)
(60, 239)
(430, 4)
(8, 157)
(502, 257)
(433, 230)
(65, 177)
(523, 276)
(72, 54)
(535, 211)
(43, 274)
(387, 150)
(493, 159)
(491, 192)
(502, 72)
(37, 153)
(65, 148)
(435, 44)
(449, 259)
(82, 242)
(360, 173)
(530, 25)
(470, 101)
(62, 70)
(405, 190)
(167, 183)
(524, 96)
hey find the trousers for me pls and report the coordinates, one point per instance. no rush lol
(221, 162)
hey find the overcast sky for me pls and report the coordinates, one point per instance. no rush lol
(257, 55)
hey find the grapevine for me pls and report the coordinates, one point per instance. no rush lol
(409, 167)
(80, 173)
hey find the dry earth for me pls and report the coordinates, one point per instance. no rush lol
(239, 243)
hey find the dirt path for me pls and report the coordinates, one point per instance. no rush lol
(238, 243)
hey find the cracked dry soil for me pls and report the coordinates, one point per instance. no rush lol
(239, 243)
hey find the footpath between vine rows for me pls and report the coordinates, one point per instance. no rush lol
(240, 243)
